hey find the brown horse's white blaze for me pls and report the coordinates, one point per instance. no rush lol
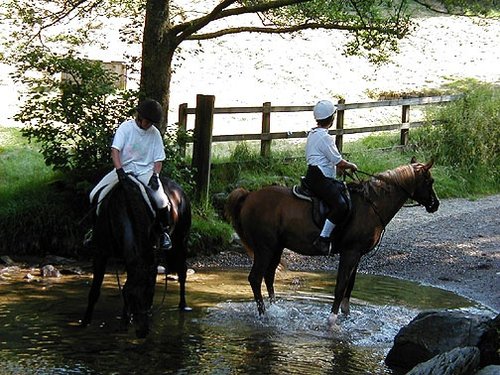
(271, 219)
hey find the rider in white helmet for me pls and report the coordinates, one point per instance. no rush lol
(323, 161)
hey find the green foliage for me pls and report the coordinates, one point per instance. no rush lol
(175, 165)
(375, 26)
(209, 235)
(72, 119)
(467, 131)
(35, 212)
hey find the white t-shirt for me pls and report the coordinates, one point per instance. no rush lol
(139, 148)
(322, 152)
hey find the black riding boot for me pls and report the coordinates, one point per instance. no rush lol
(164, 220)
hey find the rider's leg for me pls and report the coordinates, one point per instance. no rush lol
(328, 228)
(164, 220)
(323, 242)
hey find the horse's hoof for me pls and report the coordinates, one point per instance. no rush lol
(142, 333)
(332, 320)
(84, 323)
(185, 309)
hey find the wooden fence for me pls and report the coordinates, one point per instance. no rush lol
(204, 117)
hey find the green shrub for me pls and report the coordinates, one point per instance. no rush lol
(73, 120)
(209, 234)
(467, 131)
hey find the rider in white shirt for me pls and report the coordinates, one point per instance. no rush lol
(323, 159)
(138, 150)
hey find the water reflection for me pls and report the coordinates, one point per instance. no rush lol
(39, 332)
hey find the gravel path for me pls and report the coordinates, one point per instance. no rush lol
(457, 249)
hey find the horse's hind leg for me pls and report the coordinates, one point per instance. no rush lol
(99, 267)
(270, 274)
(255, 278)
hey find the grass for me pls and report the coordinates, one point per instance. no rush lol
(22, 166)
(372, 154)
(41, 211)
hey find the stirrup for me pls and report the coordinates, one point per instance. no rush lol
(165, 241)
(323, 245)
(87, 239)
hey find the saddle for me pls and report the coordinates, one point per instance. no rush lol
(101, 194)
(319, 208)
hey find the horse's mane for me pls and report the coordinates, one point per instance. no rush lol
(382, 183)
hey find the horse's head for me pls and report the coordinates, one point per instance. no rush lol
(424, 190)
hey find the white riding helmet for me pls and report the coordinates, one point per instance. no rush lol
(324, 109)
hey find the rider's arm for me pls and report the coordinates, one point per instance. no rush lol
(115, 156)
(344, 164)
(157, 167)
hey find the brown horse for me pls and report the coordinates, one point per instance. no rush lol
(272, 218)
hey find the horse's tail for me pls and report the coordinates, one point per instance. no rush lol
(233, 206)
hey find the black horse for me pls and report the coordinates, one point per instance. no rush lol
(126, 228)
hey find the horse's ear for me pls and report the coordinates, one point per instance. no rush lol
(413, 160)
(429, 164)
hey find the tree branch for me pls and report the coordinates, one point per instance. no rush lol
(431, 7)
(288, 29)
(189, 28)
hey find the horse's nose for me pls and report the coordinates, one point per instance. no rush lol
(433, 207)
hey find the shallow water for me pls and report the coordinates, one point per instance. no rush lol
(39, 332)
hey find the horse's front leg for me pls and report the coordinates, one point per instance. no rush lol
(98, 269)
(182, 274)
(345, 281)
(345, 304)
(126, 316)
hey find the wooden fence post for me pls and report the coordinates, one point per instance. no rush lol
(405, 126)
(339, 139)
(202, 144)
(265, 142)
(182, 128)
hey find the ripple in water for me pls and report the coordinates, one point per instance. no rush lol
(365, 326)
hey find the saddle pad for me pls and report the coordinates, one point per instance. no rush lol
(106, 189)
(297, 191)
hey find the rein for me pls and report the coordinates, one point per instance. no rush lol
(374, 207)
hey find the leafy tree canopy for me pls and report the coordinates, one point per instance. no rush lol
(43, 38)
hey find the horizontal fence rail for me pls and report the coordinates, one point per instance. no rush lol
(205, 110)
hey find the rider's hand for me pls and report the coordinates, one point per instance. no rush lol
(121, 174)
(153, 182)
(353, 167)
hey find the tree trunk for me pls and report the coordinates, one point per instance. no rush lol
(158, 47)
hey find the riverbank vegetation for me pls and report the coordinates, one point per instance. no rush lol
(42, 211)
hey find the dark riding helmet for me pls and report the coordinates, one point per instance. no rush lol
(151, 110)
